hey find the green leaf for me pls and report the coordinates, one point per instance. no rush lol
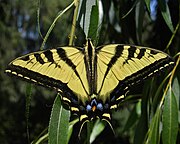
(142, 126)
(97, 129)
(139, 19)
(28, 100)
(94, 19)
(176, 91)
(43, 137)
(28, 103)
(88, 18)
(141, 129)
(166, 14)
(89, 126)
(59, 123)
(71, 124)
(170, 119)
(153, 132)
(157, 96)
(148, 5)
(132, 118)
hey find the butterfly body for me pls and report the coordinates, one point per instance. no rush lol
(92, 81)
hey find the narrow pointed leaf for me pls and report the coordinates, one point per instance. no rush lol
(59, 123)
(131, 119)
(142, 126)
(28, 103)
(94, 20)
(153, 132)
(148, 5)
(166, 13)
(170, 119)
(176, 91)
(85, 17)
(97, 129)
(139, 19)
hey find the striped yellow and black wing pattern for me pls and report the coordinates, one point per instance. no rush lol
(62, 69)
(92, 81)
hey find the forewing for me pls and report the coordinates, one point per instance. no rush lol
(62, 68)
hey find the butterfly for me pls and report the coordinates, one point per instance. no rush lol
(91, 80)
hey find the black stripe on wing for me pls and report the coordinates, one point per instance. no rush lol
(138, 76)
(141, 75)
(43, 80)
(48, 56)
(34, 77)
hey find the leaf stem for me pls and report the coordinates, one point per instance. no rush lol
(53, 24)
(72, 34)
(172, 37)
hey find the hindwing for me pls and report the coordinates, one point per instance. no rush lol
(119, 67)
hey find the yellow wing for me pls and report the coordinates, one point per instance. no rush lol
(62, 69)
(119, 67)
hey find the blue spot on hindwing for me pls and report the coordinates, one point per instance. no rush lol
(88, 108)
(100, 106)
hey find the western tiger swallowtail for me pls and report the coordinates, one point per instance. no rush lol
(92, 81)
